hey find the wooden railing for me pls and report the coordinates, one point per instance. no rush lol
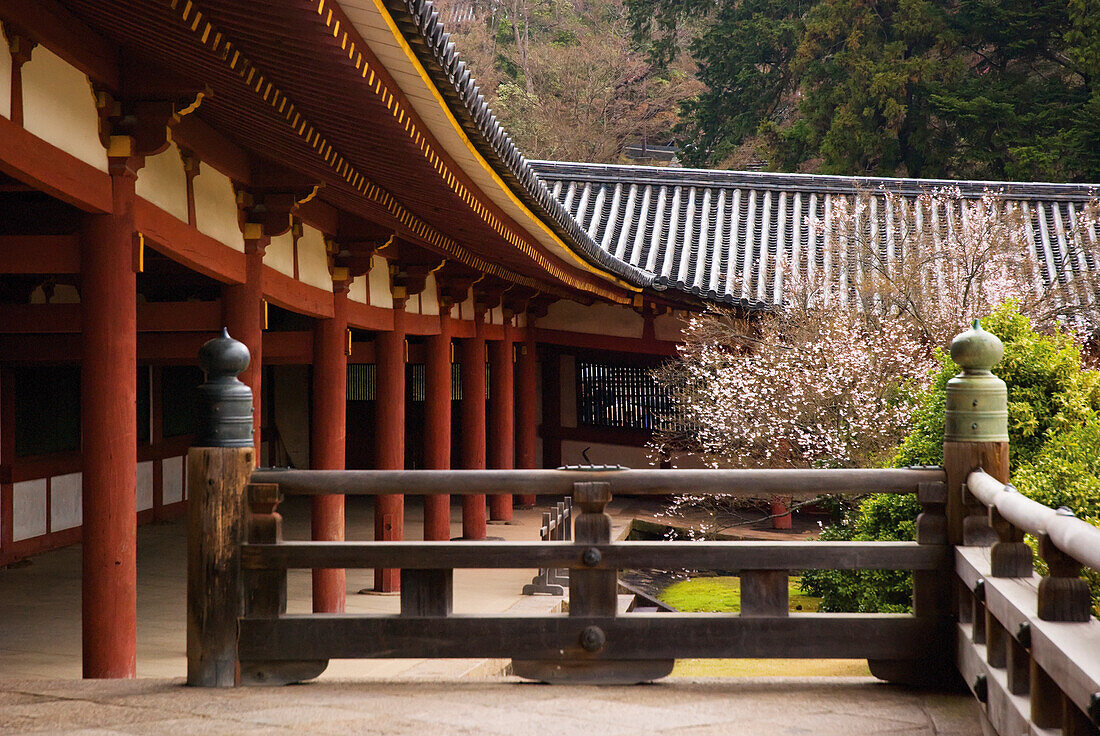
(593, 642)
(557, 526)
(1028, 645)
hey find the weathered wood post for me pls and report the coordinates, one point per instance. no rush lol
(218, 469)
(593, 600)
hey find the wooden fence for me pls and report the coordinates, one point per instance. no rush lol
(1025, 645)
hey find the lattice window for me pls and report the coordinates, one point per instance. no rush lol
(620, 396)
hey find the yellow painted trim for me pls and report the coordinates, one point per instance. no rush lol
(407, 50)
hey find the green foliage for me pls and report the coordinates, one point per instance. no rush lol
(974, 88)
(1054, 441)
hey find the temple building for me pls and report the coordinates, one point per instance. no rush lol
(324, 179)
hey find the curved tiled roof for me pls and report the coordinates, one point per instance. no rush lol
(718, 234)
(423, 29)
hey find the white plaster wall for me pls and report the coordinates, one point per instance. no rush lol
(28, 509)
(216, 207)
(357, 291)
(313, 260)
(145, 485)
(429, 298)
(163, 182)
(280, 254)
(412, 304)
(496, 316)
(379, 283)
(597, 319)
(171, 471)
(66, 510)
(5, 89)
(185, 476)
(604, 454)
(466, 308)
(59, 108)
(669, 326)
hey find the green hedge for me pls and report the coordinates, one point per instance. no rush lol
(1054, 436)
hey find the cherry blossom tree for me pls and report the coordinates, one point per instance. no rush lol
(829, 377)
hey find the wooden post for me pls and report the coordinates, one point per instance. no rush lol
(389, 509)
(328, 423)
(218, 469)
(502, 421)
(264, 591)
(1063, 595)
(473, 425)
(437, 424)
(593, 598)
(108, 293)
(526, 417)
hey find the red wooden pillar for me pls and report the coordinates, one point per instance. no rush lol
(327, 445)
(526, 422)
(108, 295)
(389, 427)
(437, 425)
(502, 419)
(473, 424)
(243, 312)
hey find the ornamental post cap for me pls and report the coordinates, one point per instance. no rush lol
(224, 412)
(223, 357)
(977, 400)
(975, 350)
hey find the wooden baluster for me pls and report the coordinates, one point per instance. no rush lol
(592, 592)
(1063, 595)
(932, 599)
(265, 590)
(1046, 699)
(764, 594)
(1019, 661)
(593, 595)
(977, 615)
(427, 592)
(1010, 556)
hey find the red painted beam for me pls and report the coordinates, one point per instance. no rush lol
(288, 293)
(33, 161)
(186, 245)
(606, 342)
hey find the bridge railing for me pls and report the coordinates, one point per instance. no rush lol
(594, 641)
(1028, 644)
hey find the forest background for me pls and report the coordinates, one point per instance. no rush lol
(980, 89)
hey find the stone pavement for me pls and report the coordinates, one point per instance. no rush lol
(40, 665)
(763, 707)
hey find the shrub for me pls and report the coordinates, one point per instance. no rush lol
(1054, 440)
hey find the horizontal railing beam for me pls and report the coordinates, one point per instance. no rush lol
(795, 483)
(727, 556)
(630, 636)
(1074, 537)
